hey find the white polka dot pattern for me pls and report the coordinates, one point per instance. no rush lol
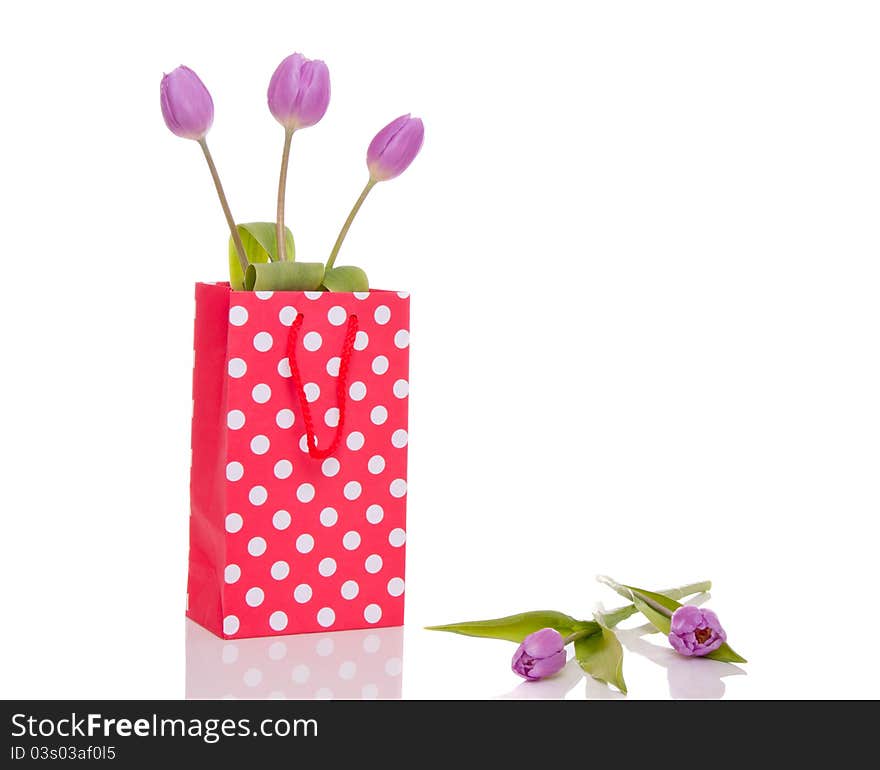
(362, 665)
(313, 545)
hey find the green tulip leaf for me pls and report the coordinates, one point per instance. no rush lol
(726, 654)
(648, 601)
(284, 276)
(515, 628)
(260, 246)
(601, 656)
(346, 278)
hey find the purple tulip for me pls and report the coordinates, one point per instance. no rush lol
(299, 92)
(540, 655)
(395, 147)
(388, 156)
(695, 631)
(186, 104)
(189, 112)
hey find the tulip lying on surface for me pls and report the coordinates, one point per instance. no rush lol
(690, 630)
(694, 631)
(542, 635)
(540, 655)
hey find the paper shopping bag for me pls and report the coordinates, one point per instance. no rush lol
(299, 458)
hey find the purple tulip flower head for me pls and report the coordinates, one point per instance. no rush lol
(695, 631)
(540, 655)
(299, 92)
(186, 104)
(395, 147)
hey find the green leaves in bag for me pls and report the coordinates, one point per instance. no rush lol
(260, 247)
(266, 272)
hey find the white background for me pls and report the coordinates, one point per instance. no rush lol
(642, 243)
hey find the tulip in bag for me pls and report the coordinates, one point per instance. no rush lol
(299, 441)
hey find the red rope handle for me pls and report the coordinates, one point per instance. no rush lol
(345, 360)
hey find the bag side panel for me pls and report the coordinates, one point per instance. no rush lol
(207, 553)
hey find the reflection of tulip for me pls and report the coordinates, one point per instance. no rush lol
(694, 631)
(299, 92)
(388, 156)
(186, 104)
(541, 654)
(189, 112)
(395, 147)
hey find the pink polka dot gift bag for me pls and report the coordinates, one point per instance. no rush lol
(299, 441)
(300, 393)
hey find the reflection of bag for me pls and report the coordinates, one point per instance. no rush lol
(298, 483)
(352, 665)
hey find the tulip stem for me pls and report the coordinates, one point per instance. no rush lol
(236, 238)
(280, 235)
(615, 616)
(344, 231)
(573, 637)
(628, 592)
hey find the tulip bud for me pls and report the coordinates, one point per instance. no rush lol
(186, 104)
(299, 92)
(540, 655)
(395, 147)
(694, 631)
